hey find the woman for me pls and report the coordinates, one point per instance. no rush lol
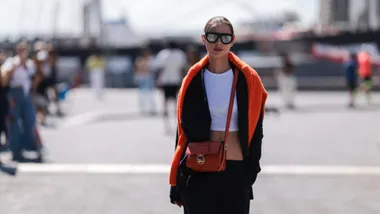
(52, 80)
(287, 81)
(96, 66)
(203, 104)
(39, 86)
(16, 74)
(145, 81)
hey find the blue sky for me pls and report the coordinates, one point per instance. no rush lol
(173, 15)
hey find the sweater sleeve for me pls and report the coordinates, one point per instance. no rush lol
(174, 191)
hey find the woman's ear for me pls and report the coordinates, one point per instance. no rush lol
(233, 41)
(203, 40)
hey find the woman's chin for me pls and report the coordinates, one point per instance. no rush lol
(217, 54)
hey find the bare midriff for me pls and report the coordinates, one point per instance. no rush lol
(233, 146)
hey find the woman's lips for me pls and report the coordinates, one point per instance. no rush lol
(218, 49)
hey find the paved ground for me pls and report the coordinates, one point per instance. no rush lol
(105, 158)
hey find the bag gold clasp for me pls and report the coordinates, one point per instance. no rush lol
(201, 159)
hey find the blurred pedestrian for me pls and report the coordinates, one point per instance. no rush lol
(40, 83)
(52, 83)
(145, 81)
(3, 105)
(365, 72)
(96, 67)
(351, 73)
(193, 56)
(287, 81)
(17, 75)
(170, 63)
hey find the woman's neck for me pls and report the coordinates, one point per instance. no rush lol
(219, 65)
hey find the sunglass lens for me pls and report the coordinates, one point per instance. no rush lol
(211, 37)
(226, 39)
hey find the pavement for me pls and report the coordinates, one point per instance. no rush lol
(104, 157)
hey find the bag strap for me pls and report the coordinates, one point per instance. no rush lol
(230, 107)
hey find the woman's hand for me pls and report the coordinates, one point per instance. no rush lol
(179, 203)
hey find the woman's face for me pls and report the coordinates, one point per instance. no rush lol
(23, 54)
(218, 40)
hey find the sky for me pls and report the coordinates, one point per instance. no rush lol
(65, 17)
(174, 15)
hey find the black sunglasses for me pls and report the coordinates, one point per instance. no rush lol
(225, 38)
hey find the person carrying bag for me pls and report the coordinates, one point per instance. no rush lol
(220, 109)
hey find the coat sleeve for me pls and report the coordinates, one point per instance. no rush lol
(255, 150)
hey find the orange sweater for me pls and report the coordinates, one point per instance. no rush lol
(257, 96)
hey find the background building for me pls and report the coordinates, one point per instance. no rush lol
(349, 15)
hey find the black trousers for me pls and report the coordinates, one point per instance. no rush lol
(170, 91)
(224, 192)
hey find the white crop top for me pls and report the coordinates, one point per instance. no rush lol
(218, 91)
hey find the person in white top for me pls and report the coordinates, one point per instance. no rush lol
(17, 75)
(170, 63)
